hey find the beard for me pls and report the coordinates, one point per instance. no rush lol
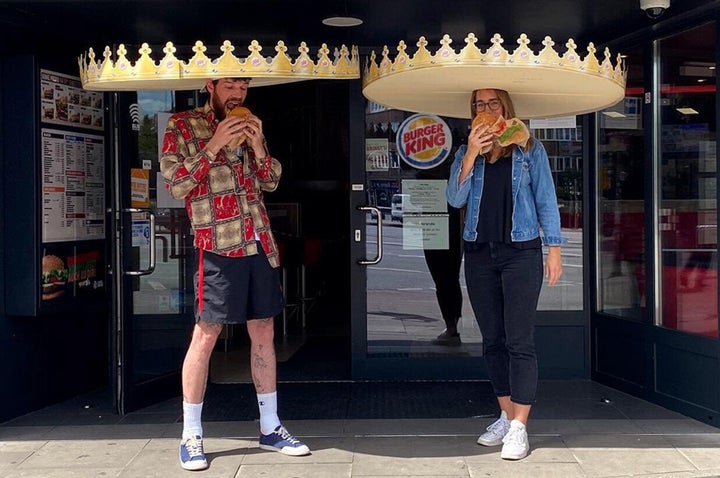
(221, 108)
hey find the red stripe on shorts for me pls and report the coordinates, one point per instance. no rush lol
(200, 282)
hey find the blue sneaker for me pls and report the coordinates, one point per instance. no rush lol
(281, 440)
(192, 456)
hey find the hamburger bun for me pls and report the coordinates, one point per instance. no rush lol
(54, 277)
(483, 119)
(240, 112)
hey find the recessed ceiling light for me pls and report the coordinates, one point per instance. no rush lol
(342, 21)
(613, 114)
(687, 111)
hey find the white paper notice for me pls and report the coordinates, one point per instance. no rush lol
(426, 195)
(426, 232)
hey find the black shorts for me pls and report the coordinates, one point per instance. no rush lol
(234, 290)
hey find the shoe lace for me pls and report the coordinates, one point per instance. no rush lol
(498, 426)
(514, 435)
(285, 435)
(194, 447)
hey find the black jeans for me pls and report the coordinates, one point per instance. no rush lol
(444, 266)
(504, 285)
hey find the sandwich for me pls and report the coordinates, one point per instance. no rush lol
(506, 132)
(240, 112)
(54, 277)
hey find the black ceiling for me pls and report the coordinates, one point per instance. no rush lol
(75, 25)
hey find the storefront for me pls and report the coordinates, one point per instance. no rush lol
(636, 308)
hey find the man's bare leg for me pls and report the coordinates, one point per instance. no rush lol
(194, 382)
(197, 361)
(263, 363)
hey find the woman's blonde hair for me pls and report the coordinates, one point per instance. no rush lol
(508, 112)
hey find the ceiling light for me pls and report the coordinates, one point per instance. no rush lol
(613, 114)
(342, 21)
(687, 111)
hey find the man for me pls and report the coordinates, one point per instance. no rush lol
(237, 280)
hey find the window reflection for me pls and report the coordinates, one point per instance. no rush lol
(620, 180)
(564, 149)
(688, 166)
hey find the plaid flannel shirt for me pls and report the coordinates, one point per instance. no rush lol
(224, 196)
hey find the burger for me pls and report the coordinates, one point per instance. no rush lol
(240, 112)
(488, 119)
(494, 124)
(506, 132)
(54, 277)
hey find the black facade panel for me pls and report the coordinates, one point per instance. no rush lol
(50, 357)
(694, 384)
(620, 355)
(20, 208)
(561, 351)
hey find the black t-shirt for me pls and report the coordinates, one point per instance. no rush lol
(496, 206)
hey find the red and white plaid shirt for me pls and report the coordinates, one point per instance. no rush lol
(224, 196)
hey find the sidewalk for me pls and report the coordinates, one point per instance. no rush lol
(577, 429)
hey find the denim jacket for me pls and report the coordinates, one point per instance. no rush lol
(533, 192)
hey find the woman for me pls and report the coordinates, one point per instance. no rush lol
(510, 196)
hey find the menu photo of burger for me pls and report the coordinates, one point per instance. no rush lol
(54, 277)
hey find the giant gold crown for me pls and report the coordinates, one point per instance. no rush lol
(542, 84)
(171, 73)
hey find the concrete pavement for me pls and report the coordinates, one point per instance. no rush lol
(578, 429)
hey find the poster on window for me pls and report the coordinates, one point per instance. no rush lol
(377, 155)
(73, 186)
(63, 101)
(71, 270)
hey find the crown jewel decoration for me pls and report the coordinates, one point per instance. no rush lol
(171, 73)
(569, 82)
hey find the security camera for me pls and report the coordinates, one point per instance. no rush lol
(654, 8)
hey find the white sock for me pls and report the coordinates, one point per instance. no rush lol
(269, 421)
(192, 424)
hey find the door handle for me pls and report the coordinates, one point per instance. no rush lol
(151, 266)
(378, 257)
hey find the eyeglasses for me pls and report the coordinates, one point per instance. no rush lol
(494, 105)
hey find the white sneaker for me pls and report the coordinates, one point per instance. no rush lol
(515, 443)
(495, 432)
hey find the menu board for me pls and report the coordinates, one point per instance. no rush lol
(73, 186)
(64, 102)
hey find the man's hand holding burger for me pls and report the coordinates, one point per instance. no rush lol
(238, 126)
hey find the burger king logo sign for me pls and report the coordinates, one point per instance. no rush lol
(424, 141)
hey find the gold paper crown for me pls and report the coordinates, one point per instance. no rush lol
(170, 73)
(542, 84)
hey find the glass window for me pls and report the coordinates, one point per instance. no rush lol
(621, 217)
(564, 149)
(418, 288)
(687, 215)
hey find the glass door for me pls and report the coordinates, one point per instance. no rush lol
(152, 258)
(412, 269)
